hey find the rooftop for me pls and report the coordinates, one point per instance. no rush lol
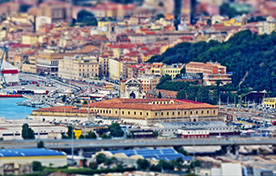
(166, 154)
(150, 104)
(29, 152)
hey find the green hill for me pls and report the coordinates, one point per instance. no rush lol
(250, 57)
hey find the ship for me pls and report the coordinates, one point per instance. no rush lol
(8, 95)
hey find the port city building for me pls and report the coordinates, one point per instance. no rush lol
(141, 111)
(149, 111)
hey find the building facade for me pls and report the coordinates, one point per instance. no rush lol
(147, 111)
(78, 67)
(212, 72)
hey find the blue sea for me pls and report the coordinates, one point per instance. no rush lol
(10, 110)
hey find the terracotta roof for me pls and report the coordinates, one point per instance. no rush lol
(67, 109)
(145, 104)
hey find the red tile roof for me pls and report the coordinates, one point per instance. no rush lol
(146, 104)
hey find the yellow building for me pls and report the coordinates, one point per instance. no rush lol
(269, 102)
(114, 68)
(153, 110)
(232, 22)
(32, 38)
(104, 23)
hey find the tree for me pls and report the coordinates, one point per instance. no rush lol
(100, 158)
(159, 95)
(105, 136)
(27, 133)
(115, 130)
(91, 135)
(93, 165)
(155, 134)
(159, 16)
(143, 164)
(40, 144)
(86, 18)
(37, 166)
(64, 98)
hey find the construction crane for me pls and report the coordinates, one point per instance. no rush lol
(5, 53)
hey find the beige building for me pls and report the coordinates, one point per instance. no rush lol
(30, 65)
(114, 68)
(78, 67)
(147, 111)
(47, 61)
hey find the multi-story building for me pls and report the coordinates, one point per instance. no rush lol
(269, 102)
(104, 66)
(172, 70)
(268, 26)
(58, 11)
(47, 62)
(212, 72)
(148, 82)
(161, 69)
(114, 68)
(78, 67)
(147, 111)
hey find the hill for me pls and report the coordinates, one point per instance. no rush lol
(250, 57)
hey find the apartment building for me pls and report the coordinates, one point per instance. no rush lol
(211, 72)
(78, 67)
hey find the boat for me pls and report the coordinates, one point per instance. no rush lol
(8, 95)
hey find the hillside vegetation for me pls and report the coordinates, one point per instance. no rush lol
(250, 57)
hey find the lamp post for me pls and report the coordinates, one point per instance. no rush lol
(72, 146)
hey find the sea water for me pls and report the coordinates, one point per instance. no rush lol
(10, 110)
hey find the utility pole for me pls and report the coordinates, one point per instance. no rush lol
(72, 147)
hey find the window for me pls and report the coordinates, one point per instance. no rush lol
(214, 111)
(115, 112)
(156, 114)
(196, 112)
(161, 113)
(128, 112)
(141, 113)
(123, 112)
(103, 111)
(109, 111)
(179, 113)
(202, 112)
(134, 113)
(168, 113)
(185, 112)
(147, 113)
(208, 112)
(172, 113)
(191, 112)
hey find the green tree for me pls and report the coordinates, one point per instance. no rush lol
(40, 144)
(155, 134)
(86, 18)
(159, 95)
(27, 133)
(91, 135)
(64, 98)
(37, 166)
(143, 164)
(115, 130)
(93, 165)
(194, 164)
(159, 16)
(105, 136)
(100, 158)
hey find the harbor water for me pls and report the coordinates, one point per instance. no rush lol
(10, 110)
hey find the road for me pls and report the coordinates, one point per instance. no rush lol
(128, 143)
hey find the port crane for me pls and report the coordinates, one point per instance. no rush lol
(4, 53)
